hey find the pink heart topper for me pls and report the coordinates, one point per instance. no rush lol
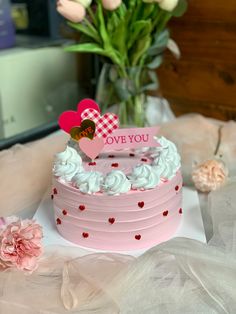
(70, 119)
(105, 124)
(91, 148)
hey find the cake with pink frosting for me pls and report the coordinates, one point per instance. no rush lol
(124, 200)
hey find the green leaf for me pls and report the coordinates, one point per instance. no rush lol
(102, 27)
(140, 41)
(87, 48)
(86, 30)
(160, 43)
(156, 62)
(139, 30)
(161, 39)
(113, 54)
(122, 10)
(148, 10)
(95, 48)
(139, 49)
(181, 8)
(112, 22)
(119, 39)
(153, 82)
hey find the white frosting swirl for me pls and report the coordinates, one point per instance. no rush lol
(67, 164)
(167, 161)
(144, 177)
(155, 151)
(116, 183)
(88, 182)
(165, 169)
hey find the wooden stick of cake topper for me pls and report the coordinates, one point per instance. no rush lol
(95, 133)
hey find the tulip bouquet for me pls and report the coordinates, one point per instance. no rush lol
(131, 36)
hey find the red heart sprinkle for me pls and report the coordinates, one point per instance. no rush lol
(144, 159)
(165, 213)
(115, 165)
(141, 204)
(177, 188)
(138, 237)
(52, 197)
(111, 220)
(64, 212)
(54, 191)
(92, 163)
(81, 207)
(132, 155)
(58, 221)
(111, 156)
(85, 235)
(181, 211)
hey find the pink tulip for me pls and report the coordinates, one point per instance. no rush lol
(111, 5)
(72, 11)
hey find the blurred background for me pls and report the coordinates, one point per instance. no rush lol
(39, 80)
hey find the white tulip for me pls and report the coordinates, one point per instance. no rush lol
(168, 5)
(85, 3)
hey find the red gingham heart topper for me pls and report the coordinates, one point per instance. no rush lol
(70, 119)
(105, 124)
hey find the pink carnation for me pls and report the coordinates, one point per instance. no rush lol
(210, 175)
(20, 244)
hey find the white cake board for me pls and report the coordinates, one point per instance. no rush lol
(191, 226)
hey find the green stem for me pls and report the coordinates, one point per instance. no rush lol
(123, 114)
(135, 16)
(139, 111)
(163, 22)
(92, 16)
(93, 29)
(157, 19)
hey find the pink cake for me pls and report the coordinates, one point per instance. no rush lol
(125, 200)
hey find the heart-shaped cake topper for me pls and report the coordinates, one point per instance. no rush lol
(87, 129)
(70, 119)
(91, 148)
(86, 104)
(105, 124)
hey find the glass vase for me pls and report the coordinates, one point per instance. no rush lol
(124, 91)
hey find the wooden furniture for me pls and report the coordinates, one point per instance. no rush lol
(204, 79)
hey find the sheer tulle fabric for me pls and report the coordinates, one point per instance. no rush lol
(179, 276)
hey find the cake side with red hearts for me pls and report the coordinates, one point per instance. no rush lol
(124, 200)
